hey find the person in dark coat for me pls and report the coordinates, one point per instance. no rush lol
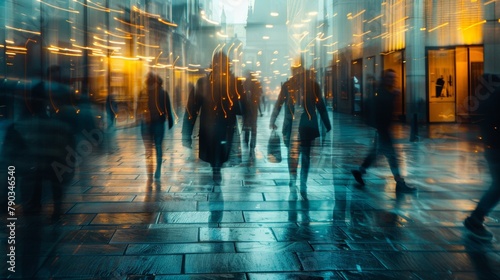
(302, 98)
(42, 148)
(153, 110)
(216, 101)
(251, 103)
(383, 110)
(490, 130)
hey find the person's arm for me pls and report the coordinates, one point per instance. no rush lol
(277, 106)
(192, 110)
(321, 107)
(168, 110)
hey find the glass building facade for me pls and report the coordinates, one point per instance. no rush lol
(439, 49)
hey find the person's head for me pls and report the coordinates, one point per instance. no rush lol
(388, 79)
(152, 79)
(248, 74)
(220, 63)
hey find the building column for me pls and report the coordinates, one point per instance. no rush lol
(492, 39)
(415, 63)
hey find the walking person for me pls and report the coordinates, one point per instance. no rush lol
(251, 106)
(302, 98)
(216, 101)
(490, 131)
(383, 110)
(38, 146)
(154, 109)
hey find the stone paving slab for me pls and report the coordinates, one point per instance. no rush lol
(117, 224)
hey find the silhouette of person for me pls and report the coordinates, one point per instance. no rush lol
(301, 95)
(111, 109)
(490, 131)
(439, 86)
(154, 109)
(383, 106)
(251, 106)
(216, 100)
(42, 148)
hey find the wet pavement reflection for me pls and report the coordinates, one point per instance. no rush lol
(118, 223)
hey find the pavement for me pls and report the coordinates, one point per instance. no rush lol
(117, 224)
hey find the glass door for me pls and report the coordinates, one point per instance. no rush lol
(441, 91)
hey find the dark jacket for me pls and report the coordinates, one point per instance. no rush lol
(383, 107)
(217, 105)
(251, 102)
(489, 111)
(154, 105)
(313, 100)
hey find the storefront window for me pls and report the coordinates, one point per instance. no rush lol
(441, 92)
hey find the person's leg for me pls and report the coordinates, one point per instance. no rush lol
(57, 195)
(304, 167)
(293, 160)
(147, 139)
(305, 163)
(492, 196)
(367, 162)
(388, 150)
(33, 186)
(159, 132)
(246, 133)
(253, 136)
(216, 174)
(253, 140)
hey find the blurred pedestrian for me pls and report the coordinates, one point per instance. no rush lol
(216, 99)
(153, 110)
(490, 131)
(111, 109)
(382, 111)
(251, 98)
(42, 149)
(301, 95)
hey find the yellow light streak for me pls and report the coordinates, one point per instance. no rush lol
(362, 34)
(98, 7)
(167, 22)
(22, 30)
(350, 16)
(125, 58)
(59, 8)
(375, 18)
(475, 24)
(128, 33)
(85, 48)
(119, 36)
(106, 47)
(437, 27)
(17, 48)
(149, 46)
(128, 23)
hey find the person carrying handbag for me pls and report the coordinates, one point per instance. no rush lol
(302, 101)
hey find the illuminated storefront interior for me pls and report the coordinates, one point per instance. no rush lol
(106, 48)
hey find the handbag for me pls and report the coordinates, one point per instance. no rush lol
(274, 148)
